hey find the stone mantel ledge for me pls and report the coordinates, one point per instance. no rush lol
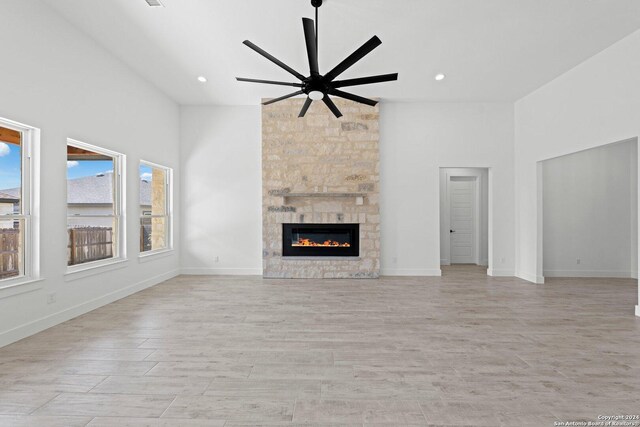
(359, 197)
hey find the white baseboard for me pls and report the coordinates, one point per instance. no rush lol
(531, 278)
(54, 319)
(410, 272)
(482, 263)
(634, 274)
(589, 273)
(638, 310)
(494, 272)
(221, 271)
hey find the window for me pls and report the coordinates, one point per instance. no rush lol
(18, 237)
(95, 204)
(155, 207)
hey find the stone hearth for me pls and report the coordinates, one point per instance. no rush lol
(321, 170)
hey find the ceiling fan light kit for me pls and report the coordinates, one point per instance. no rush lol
(316, 86)
(316, 95)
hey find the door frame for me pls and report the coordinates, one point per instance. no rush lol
(445, 225)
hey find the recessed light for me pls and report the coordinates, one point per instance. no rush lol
(440, 77)
(202, 79)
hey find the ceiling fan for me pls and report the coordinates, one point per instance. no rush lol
(318, 87)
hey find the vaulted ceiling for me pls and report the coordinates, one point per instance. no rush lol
(490, 50)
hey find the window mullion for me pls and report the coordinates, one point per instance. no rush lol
(25, 203)
(76, 216)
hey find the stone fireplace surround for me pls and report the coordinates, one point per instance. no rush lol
(323, 170)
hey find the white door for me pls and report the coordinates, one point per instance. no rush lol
(462, 200)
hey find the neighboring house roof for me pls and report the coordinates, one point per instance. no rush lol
(13, 193)
(92, 190)
(8, 198)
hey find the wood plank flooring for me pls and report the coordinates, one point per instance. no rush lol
(461, 350)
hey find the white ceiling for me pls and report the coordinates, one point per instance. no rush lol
(490, 50)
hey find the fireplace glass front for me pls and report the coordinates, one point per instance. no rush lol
(321, 240)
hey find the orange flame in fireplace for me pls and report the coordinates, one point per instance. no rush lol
(327, 243)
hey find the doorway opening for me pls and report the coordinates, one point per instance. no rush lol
(590, 213)
(464, 217)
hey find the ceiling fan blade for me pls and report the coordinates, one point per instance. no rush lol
(305, 107)
(312, 49)
(356, 56)
(274, 60)
(366, 80)
(268, 82)
(329, 103)
(353, 97)
(283, 97)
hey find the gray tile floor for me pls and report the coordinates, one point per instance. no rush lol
(461, 350)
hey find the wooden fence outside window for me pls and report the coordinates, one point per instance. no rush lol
(88, 244)
(9, 252)
(85, 244)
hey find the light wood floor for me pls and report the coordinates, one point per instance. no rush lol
(464, 349)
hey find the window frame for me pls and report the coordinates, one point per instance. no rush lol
(119, 208)
(168, 209)
(29, 204)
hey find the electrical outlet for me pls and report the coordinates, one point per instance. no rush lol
(395, 260)
(51, 298)
(217, 259)
(578, 261)
(502, 260)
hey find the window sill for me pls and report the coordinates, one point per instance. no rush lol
(19, 286)
(91, 269)
(153, 255)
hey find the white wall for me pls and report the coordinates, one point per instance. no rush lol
(222, 190)
(6, 208)
(221, 149)
(588, 211)
(77, 90)
(417, 139)
(445, 213)
(594, 104)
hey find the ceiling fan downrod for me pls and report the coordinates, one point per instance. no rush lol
(316, 4)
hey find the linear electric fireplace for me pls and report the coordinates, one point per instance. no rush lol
(321, 240)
